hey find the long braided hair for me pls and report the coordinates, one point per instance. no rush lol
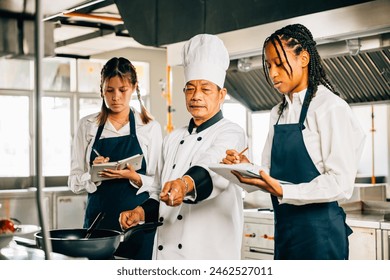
(298, 38)
(123, 68)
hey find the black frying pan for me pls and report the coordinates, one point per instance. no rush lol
(102, 243)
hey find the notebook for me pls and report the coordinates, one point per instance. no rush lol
(135, 161)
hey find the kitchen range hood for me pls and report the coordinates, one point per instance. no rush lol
(353, 41)
(363, 77)
(164, 22)
(352, 36)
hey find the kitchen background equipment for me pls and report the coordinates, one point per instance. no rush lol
(6, 238)
(101, 245)
(258, 235)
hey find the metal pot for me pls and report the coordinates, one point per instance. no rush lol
(102, 244)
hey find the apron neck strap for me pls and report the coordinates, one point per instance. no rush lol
(305, 106)
(304, 109)
(131, 124)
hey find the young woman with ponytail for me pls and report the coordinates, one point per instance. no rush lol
(118, 131)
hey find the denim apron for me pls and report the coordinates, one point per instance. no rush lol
(314, 231)
(117, 195)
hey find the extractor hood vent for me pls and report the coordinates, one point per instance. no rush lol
(361, 78)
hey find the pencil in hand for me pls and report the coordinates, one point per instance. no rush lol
(243, 151)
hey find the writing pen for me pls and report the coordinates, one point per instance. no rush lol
(243, 151)
(96, 152)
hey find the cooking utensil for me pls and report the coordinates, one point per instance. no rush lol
(94, 225)
(102, 243)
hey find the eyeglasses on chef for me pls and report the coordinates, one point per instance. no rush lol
(205, 89)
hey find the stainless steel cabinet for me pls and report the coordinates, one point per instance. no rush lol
(63, 208)
(365, 244)
(70, 211)
(21, 205)
(385, 226)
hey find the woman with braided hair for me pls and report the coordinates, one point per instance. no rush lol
(118, 131)
(314, 143)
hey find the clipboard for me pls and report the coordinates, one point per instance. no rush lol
(135, 161)
(246, 169)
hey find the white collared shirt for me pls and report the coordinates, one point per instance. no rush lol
(149, 137)
(334, 140)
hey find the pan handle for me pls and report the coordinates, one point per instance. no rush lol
(146, 226)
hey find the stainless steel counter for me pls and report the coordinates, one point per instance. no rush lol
(367, 213)
(370, 239)
(385, 225)
(16, 252)
(365, 220)
(265, 213)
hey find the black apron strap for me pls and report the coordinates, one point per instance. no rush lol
(305, 108)
(132, 123)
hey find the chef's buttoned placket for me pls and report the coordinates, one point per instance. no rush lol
(182, 145)
(180, 218)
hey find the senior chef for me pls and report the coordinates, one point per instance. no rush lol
(201, 212)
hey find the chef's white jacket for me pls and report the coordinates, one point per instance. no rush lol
(211, 228)
(334, 140)
(149, 137)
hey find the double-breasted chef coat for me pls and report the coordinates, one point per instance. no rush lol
(210, 228)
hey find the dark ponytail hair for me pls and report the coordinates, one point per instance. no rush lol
(120, 67)
(298, 38)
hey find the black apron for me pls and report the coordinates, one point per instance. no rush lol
(314, 231)
(117, 195)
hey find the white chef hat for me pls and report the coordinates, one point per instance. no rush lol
(205, 57)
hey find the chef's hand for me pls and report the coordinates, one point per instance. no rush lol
(130, 218)
(173, 192)
(267, 183)
(127, 173)
(234, 157)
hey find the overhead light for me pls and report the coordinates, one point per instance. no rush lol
(353, 46)
(244, 64)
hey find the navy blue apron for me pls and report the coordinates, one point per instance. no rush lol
(307, 232)
(117, 195)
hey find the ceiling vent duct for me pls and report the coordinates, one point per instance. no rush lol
(17, 38)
